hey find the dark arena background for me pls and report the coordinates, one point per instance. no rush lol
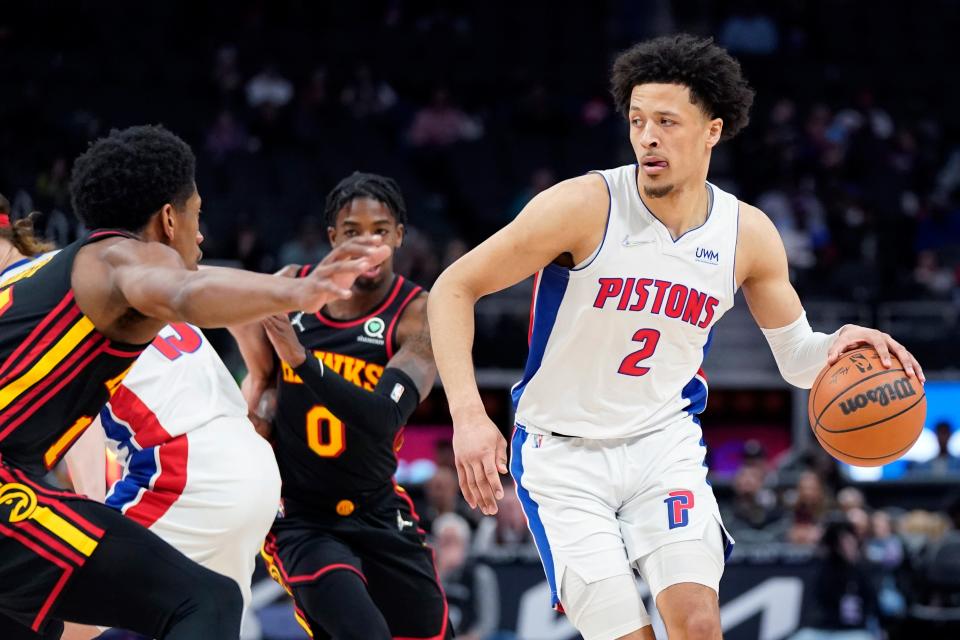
(853, 150)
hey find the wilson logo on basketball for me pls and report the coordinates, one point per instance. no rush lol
(865, 414)
(883, 395)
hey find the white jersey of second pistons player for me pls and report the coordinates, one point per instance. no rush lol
(176, 386)
(195, 472)
(617, 342)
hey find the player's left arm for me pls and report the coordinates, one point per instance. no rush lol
(258, 356)
(801, 353)
(407, 378)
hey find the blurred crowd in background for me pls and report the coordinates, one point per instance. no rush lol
(853, 151)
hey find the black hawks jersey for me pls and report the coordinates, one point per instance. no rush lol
(56, 369)
(321, 459)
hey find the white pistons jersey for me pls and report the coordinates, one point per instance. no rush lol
(183, 381)
(617, 342)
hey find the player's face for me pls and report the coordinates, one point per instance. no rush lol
(671, 137)
(368, 217)
(185, 236)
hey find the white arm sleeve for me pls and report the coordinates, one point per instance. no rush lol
(800, 353)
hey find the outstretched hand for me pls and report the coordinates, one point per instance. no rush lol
(481, 455)
(333, 277)
(338, 263)
(852, 336)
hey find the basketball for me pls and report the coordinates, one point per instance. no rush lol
(865, 414)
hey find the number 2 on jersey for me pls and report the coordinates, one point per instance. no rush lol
(630, 366)
(325, 434)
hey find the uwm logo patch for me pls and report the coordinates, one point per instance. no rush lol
(707, 255)
(679, 502)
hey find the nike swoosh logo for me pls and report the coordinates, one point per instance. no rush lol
(627, 242)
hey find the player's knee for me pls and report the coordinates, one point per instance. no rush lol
(700, 625)
(606, 608)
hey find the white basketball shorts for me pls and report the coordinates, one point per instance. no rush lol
(213, 495)
(599, 506)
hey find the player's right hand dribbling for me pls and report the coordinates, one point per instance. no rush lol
(481, 455)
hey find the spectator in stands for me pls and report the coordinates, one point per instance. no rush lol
(441, 123)
(859, 519)
(317, 111)
(308, 246)
(945, 463)
(936, 279)
(754, 455)
(471, 588)
(844, 603)
(226, 136)
(443, 496)
(750, 31)
(268, 94)
(52, 187)
(884, 547)
(505, 534)
(850, 498)
(226, 73)
(753, 516)
(810, 504)
(918, 528)
(366, 95)
(938, 578)
(885, 555)
(269, 88)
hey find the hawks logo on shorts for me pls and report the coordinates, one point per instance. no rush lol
(678, 504)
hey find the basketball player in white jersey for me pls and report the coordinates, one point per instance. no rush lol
(634, 266)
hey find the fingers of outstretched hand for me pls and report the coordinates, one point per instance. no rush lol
(351, 265)
(328, 290)
(484, 490)
(492, 478)
(355, 248)
(467, 484)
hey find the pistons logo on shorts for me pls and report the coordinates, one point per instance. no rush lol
(678, 504)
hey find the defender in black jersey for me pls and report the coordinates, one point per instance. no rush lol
(71, 326)
(348, 545)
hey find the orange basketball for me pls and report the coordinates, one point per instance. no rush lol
(864, 414)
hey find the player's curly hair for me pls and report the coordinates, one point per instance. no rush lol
(121, 180)
(713, 76)
(365, 185)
